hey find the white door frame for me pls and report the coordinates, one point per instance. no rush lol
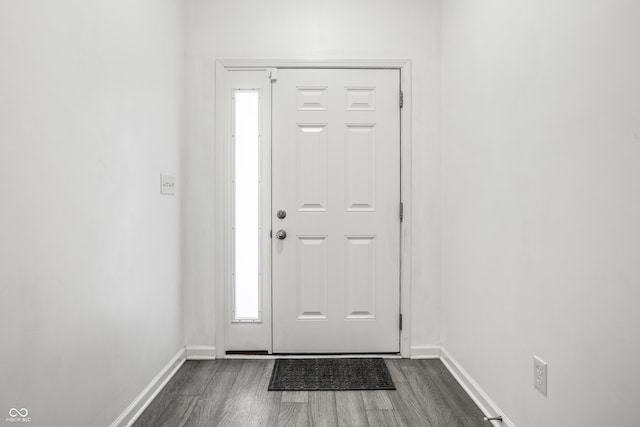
(222, 183)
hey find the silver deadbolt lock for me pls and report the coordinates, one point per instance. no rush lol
(281, 234)
(282, 214)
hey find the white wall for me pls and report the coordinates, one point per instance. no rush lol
(294, 29)
(541, 211)
(90, 110)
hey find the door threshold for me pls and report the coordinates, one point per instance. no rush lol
(261, 356)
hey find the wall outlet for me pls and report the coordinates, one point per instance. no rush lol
(540, 374)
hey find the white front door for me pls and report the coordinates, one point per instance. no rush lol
(336, 174)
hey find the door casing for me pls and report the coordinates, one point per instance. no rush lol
(222, 183)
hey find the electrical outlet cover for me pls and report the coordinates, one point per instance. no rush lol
(540, 374)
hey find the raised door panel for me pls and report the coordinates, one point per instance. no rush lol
(360, 161)
(360, 277)
(311, 278)
(311, 167)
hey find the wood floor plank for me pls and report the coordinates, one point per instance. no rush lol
(155, 408)
(266, 409)
(376, 399)
(452, 391)
(181, 377)
(475, 422)
(382, 418)
(293, 415)
(322, 409)
(200, 378)
(166, 397)
(430, 398)
(230, 365)
(295, 396)
(350, 409)
(243, 393)
(177, 412)
(220, 386)
(448, 386)
(394, 370)
(268, 368)
(407, 408)
(211, 403)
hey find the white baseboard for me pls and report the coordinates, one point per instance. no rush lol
(479, 396)
(140, 403)
(425, 352)
(200, 352)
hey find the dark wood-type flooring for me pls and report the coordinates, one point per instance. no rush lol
(234, 393)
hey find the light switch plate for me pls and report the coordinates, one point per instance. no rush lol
(167, 184)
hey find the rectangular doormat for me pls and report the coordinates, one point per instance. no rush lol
(330, 374)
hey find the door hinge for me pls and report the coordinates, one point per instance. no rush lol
(400, 321)
(401, 211)
(270, 234)
(401, 99)
(273, 74)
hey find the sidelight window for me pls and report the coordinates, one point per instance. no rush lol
(246, 205)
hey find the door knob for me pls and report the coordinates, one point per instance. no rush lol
(281, 234)
(281, 214)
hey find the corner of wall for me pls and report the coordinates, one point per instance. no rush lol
(425, 352)
(200, 352)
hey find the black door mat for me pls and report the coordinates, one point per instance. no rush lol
(330, 374)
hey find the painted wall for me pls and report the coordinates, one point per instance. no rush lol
(332, 29)
(90, 110)
(541, 205)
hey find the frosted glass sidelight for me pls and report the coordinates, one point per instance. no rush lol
(246, 205)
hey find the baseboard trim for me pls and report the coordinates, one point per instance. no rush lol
(473, 389)
(425, 352)
(140, 403)
(200, 352)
